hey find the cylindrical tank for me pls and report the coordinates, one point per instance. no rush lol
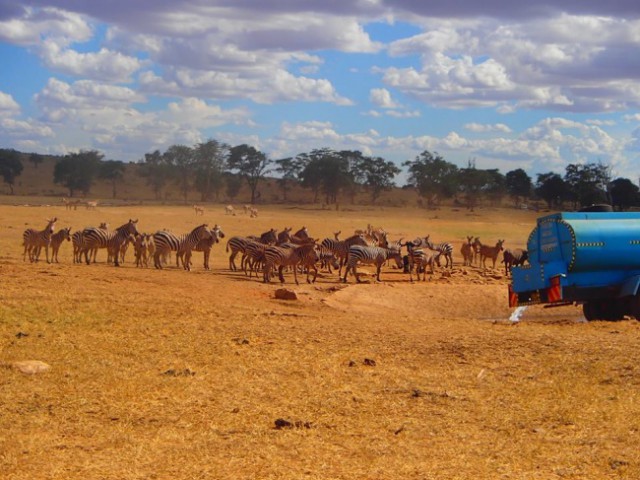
(610, 242)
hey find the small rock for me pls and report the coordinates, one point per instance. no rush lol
(369, 362)
(286, 294)
(21, 335)
(31, 367)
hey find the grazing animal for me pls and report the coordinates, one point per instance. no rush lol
(304, 255)
(141, 249)
(198, 209)
(420, 259)
(253, 212)
(166, 242)
(34, 240)
(513, 258)
(77, 240)
(229, 210)
(205, 245)
(91, 205)
(56, 240)
(445, 249)
(490, 252)
(372, 256)
(468, 252)
(94, 238)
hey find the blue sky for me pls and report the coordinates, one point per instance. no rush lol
(511, 85)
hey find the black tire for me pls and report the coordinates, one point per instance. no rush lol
(590, 311)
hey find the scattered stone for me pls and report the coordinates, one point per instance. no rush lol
(369, 362)
(399, 430)
(21, 335)
(31, 367)
(241, 341)
(416, 393)
(286, 294)
(615, 464)
(352, 363)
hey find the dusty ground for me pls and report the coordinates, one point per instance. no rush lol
(169, 374)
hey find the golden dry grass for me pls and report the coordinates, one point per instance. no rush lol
(176, 375)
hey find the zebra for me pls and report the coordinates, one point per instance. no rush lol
(445, 249)
(112, 241)
(56, 240)
(140, 248)
(78, 241)
(489, 252)
(420, 259)
(513, 258)
(305, 255)
(340, 248)
(468, 252)
(34, 240)
(253, 256)
(236, 244)
(166, 242)
(205, 245)
(370, 255)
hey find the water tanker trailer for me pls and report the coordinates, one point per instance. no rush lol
(586, 258)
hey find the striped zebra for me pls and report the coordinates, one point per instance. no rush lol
(445, 249)
(33, 240)
(420, 259)
(56, 240)
(371, 256)
(280, 257)
(166, 242)
(95, 238)
(205, 245)
(236, 245)
(253, 257)
(77, 240)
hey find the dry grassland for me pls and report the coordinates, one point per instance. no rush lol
(176, 375)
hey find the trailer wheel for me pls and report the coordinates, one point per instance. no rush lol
(613, 311)
(590, 310)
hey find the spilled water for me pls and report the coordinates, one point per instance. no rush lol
(517, 314)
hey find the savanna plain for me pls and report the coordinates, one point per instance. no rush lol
(168, 374)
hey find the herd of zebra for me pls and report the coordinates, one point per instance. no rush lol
(268, 253)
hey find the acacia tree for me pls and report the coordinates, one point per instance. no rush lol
(327, 171)
(36, 159)
(518, 185)
(551, 188)
(432, 176)
(624, 193)
(587, 183)
(112, 171)
(181, 159)
(289, 169)
(156, 170)
(209, 158)
(250, 164)
(77, 171)
(378, 175)
(10, 166)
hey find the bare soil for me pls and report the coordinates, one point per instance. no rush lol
(204, 374)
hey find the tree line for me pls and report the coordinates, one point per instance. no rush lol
(212, 167)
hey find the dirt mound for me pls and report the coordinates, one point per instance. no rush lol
(429, 300)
